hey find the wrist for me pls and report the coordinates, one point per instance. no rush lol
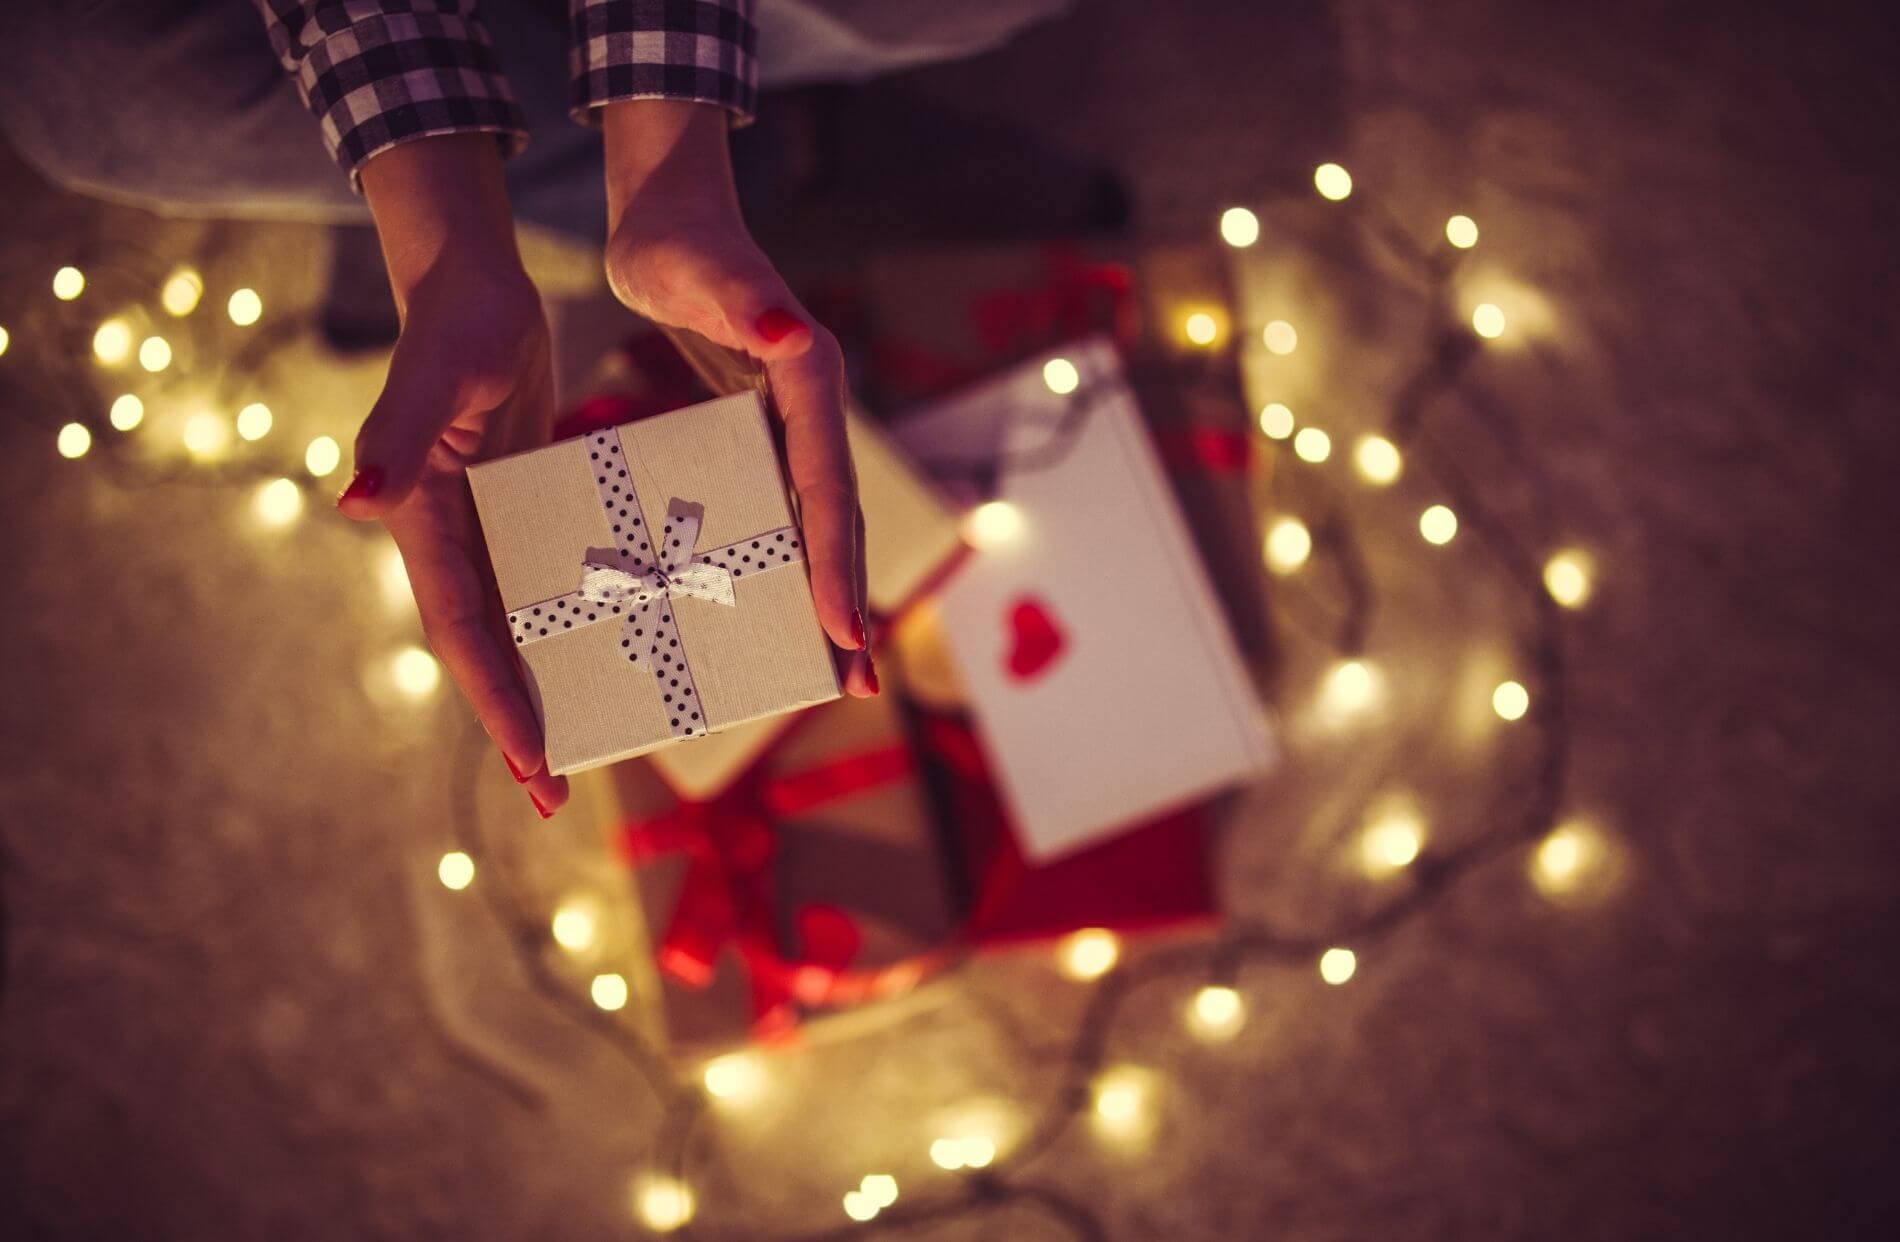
(441, 204)
(667, 160)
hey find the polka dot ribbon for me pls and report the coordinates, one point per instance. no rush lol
(641, 587)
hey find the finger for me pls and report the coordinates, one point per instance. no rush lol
(415, 408)
(809, 393)
(763, 317)
(452, 600)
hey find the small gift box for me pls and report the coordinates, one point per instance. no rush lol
(1104, 685)
(817, 882)
(654, 580)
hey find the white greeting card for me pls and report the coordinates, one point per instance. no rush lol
(1103, 681)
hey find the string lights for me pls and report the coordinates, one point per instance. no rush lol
(1569, 863)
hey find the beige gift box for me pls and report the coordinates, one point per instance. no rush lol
(655, 581)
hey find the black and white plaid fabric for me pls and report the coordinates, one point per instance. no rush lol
(376, 73)
(703, 50)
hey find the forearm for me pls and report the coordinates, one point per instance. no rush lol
(441, 200)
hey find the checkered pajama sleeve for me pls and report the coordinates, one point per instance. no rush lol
(703, 50)
(381, 72)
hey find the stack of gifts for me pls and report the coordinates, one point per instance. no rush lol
(1066, 691)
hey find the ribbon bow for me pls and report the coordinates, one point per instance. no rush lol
(641, 588)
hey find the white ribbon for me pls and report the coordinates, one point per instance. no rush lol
(641, 589)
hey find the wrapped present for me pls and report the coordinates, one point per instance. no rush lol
(816, 883)
(654, 580)
(1104, 686)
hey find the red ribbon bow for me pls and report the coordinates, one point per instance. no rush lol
(725, 898)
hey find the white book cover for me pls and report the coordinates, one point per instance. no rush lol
(1102, 678)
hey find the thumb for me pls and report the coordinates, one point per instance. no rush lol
(416, 406)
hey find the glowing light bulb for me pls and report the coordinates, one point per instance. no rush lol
(1123, 1100)
(415, 672)
(1089, 953)
(1438, 524)
(663, 1204)
(1061, 376)
(609, 992)
(972, 1152)
(6, 339)
(73, 440)
(112, 342)
(322, 457)
(737, 1077)
(1487, 321)
(1336, 966)
(1280, 337)
(1350, 689)
(1288, 545)
(1568, 576)
(1393, 839)
(858, 1207)
(182, 290)
(1216, 1013)
(1332, 181)
(68, 283)
(1239, 227)
(575, 924)
(1200, 328)
(1312, 445)
(127, 412)
(1573, 862)
(155, 353)
(206, 436)
(245, 307)
(1378, 460)
(456, 871)
(1276, 421)
(993, 524)
(278, 503)
(879, 1188)
(1510, 700)
(253, 421)
(1462, 232)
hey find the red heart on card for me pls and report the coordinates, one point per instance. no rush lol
(1035, 640)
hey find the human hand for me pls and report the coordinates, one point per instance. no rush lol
(471, 378)
(678, 252)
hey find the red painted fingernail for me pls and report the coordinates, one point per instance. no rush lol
(778, 323)
(545, 813)
(368, 482)
(514, 771)
(870, 674)
(857, 627)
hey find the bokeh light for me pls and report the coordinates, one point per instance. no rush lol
(456, 871)
(1089, 953)
(1510, 700)
(1350, 690)
(1280, 337)
(1336, 966)
(663, 1204)
(1438, 524)
(1488, 321)
(278, 503)
(206, 436)
(68, 283)
(127, 412)
(1276, 421)
(1312, 445)
(609, 991)
(245, 307)
(1462, 232)
(182, 290)
(155, 353)
(112, 342)
(1216, 1012)
(1201, 328)
(736, 1077)
(322, 457)
(576, 923)
(1377, 460)
(73, 440)
(415, 672)
(1570, 577)
(1061, 377)
(1332, 181)
(253, 421)
(1239, 227)
(1393, 836)
(1288, 545)
(993, 524)
(1122, 1104)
